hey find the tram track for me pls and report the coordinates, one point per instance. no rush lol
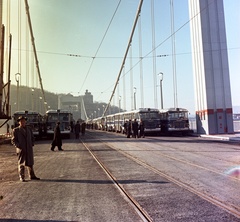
(202, 152)
(135, 205)
(234, 210)
(191, 151)
(157, 152)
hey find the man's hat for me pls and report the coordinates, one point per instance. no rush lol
(21, 117)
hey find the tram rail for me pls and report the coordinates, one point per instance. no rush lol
(234, 210)
(136, 206)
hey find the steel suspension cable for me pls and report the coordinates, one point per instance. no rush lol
(173, 55)
(27, 62)
(169, 37)
(7, 39)
(19, 36)
(90, 67)
(124, 90)
(35, 53)
(27, 54)
(140, 63)
(154, 55)
(126, 53)
(131, 78)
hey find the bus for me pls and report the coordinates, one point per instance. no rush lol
(119, 122)
(110, 126)
(150, 117)
(64, 117)
(99, 123)
(34, 120)
(174, 120)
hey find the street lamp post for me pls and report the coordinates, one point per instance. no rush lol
(134, 96)
(98, 112)
(17, 78)
(40, 104)
(119, 104)
(161, 91)
(32, 100)
(103, 109)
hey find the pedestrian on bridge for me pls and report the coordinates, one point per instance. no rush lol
(141, 129)
(77, 129)
(23, 140)
(57, 138)
(83, 128)
(135, 128)
(129, 129)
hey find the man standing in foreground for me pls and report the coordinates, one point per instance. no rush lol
(23, 140)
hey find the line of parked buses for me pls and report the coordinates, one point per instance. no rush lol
(165, 121)
(43, 125)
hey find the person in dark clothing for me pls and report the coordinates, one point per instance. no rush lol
(77, 129)
(83, 128)
(72, 126)
(141, 129)
(129, 128)
(135, 128)
(125, 127)
(23, 140)
(57, 139)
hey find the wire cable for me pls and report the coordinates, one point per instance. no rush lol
(90, 67)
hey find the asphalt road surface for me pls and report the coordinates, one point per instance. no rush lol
(107, 177)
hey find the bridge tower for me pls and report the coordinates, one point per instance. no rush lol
(210, 67)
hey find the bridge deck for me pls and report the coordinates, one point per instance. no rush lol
(74, 187)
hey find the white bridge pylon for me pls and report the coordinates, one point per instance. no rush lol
(210, 67)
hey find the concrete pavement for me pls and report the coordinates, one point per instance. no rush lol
(73, 187)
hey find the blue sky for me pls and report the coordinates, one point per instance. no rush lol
(77, 27)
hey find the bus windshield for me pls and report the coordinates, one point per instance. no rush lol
(52, 117)
(176, 115)
(32, 118)
(149, 115)
(64, 117)
(58, 117)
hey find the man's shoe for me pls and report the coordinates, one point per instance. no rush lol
(60, 150)
(34, 178)
(52, 149)
(22, 180)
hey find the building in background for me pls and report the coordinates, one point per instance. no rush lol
(80, 106)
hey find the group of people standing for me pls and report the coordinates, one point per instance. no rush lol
(134, 128)
(79, 128)
(57, 138)
(23, 140)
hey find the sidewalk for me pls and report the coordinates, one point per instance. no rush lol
(225, 137)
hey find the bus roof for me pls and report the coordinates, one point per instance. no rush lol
(173, 110)
(148, 110)
(26, 113)
(57, 111)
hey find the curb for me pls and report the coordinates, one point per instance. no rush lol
(223, 138)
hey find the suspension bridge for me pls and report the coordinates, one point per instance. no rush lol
(210, 66)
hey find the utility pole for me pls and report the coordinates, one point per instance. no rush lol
(1, 68)
(1, 59)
